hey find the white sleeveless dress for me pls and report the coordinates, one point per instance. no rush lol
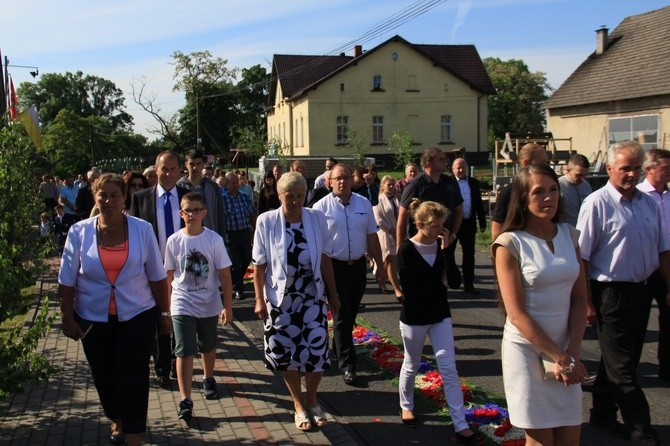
(548, 277)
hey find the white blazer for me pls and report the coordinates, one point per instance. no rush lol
(81, 269)
(270, 249)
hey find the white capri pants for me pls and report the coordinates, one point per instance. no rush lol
(442, 338)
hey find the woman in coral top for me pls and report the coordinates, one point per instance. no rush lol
(112, 287)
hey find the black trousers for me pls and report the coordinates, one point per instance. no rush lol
(350, 280)
(118, 354)
(657, 290)
(622, 310)
(239, 248)
(162, 350)
(466, 237)
(454, 278)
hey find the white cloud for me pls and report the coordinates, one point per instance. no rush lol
(461, 14)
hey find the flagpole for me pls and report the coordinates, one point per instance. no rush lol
(3, 91)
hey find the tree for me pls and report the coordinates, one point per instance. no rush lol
(400, 144)
(73, 144)
(210, 103)
(83, 95)
(193, 71)
(252, 93)
(357, 147)
(21, 258)
(216, 113)
(168, 126)
(249, 132)
(517, 105)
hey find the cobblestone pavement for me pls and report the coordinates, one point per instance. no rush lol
(253, 408)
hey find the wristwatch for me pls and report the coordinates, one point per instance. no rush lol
(165, 313)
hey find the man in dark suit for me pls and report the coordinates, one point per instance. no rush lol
(473, 213)
(320, 192)
(159, 205)
(61, 225)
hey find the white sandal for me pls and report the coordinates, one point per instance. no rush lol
(302, 421)
(318, 415)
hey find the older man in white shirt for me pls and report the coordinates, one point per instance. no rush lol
(352, 226)
(622, 243)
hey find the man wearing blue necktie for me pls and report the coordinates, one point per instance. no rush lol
(159, 205)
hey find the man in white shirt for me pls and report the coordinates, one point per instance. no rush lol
(159, 205)
(474, 216)
(657, 175)
(622, 243)
(352, 226)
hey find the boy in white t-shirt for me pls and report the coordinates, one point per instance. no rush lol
(196, 262)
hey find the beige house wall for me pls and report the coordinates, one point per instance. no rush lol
(588, 125)
(414, 95)
(586, 132)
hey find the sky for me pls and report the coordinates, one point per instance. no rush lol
(129, 40)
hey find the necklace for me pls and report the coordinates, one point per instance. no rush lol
(113, 235)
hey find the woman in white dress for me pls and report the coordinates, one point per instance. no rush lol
(292, 277)
(543, 289)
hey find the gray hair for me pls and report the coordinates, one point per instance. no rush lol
(619, 147)
(291, 180)
(652, 156)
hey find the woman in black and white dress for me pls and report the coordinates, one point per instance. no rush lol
(292, 278)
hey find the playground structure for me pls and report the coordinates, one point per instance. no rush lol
(506, 152)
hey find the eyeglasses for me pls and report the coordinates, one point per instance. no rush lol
(194, 211)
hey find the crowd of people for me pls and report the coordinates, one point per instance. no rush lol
(152, 261)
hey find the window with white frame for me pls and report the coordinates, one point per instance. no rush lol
(377, 129)
(342, 128)
(445, 128)
(642, 129)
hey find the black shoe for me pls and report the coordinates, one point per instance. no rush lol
(164, 382)
(409, 422)
(209, 389)
(612, 427)
(350, 377)
(476, 439)
(117, 439)
(185, 409)
(470, 289)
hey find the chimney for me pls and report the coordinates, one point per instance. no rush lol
(358, 50)
(601, 40)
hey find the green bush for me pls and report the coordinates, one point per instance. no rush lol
(22, 254)
(19, 361)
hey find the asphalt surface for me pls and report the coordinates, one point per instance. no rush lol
(369, 411)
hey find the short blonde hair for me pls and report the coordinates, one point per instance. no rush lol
(291, 180)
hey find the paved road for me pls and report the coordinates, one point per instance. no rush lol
(370, 412)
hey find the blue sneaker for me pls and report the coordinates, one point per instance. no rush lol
(185, 409)
(209, 389)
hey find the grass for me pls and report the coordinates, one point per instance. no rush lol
(18, 309)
